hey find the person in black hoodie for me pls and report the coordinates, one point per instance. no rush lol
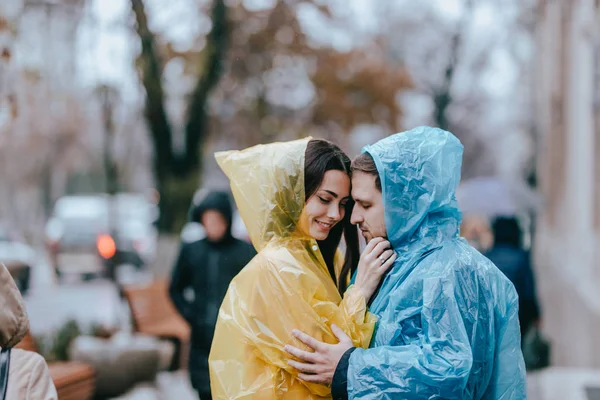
(201, 277)
(510, 257)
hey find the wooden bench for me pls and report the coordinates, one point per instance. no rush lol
(73, 380)
(153, 314)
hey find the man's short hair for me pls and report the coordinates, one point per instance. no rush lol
(364, 163)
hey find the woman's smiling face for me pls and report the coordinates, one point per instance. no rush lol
(326, 207)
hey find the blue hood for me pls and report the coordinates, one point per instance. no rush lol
(419, 171)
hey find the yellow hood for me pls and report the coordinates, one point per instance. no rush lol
(267, 182)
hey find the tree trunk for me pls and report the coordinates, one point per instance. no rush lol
(176, 195)
(178, 176)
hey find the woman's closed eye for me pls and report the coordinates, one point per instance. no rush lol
(324, 201)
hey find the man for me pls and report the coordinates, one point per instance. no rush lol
(447, 317)
(201, 277)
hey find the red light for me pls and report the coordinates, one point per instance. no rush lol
(54, 245)
(106, 246)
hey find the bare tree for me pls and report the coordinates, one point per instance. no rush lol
(452, 59)
(178, 174)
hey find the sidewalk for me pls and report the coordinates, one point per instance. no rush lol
(559, 383)
(554, 383)
(168, 385)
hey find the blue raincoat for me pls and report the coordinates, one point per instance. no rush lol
(448, 318)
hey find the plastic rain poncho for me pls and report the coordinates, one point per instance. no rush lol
(448, 325)
(286, 286)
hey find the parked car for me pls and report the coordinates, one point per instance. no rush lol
(18, 257)
(93, 234)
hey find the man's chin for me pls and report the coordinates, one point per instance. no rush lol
(368, 237)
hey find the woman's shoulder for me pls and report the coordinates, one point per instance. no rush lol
(25, 359)
(279, 259)
(29, 375)
(272, 268)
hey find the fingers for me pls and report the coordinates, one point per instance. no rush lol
(390, 261)
(372, 243)
(308, 340)
(385, 255)
(340, 334)
(313, 378)
(380, 248)
(306, 368)
(301, 354)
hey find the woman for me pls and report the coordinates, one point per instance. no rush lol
(23, 374)
(295, 200)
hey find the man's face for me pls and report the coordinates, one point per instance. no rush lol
(215, 225)
(368, 211)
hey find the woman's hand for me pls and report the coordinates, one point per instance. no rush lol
(374, 262)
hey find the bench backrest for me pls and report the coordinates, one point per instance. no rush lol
(150, 304)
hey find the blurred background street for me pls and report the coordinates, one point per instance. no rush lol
(111, 111)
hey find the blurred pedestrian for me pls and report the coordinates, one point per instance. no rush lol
(511, 258)
(201, 277)
(23, 374)
(476, 230)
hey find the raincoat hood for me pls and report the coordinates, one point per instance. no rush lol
(14, 323)
(217, 201)
(267, 182)
(419, 171)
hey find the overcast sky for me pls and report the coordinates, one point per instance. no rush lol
(106, 47)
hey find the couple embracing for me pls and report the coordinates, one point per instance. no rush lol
(418, 315)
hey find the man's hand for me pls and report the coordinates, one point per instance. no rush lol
(319, 366)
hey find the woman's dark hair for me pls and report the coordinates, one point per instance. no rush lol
(322, 156)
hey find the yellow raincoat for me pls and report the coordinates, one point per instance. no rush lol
(286, 286)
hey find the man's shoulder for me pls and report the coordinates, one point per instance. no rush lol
(243, 245)
(457, 256)
(470, 265)
(193, 244)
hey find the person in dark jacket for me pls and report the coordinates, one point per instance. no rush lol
(514, 261)
(201, 277)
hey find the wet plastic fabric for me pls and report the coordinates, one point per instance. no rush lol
(286, 286)
(448, 325)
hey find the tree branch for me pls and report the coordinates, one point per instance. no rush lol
(443, 96)
(197, 118)
(151, 80)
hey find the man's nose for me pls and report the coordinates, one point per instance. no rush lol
(356, 217)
